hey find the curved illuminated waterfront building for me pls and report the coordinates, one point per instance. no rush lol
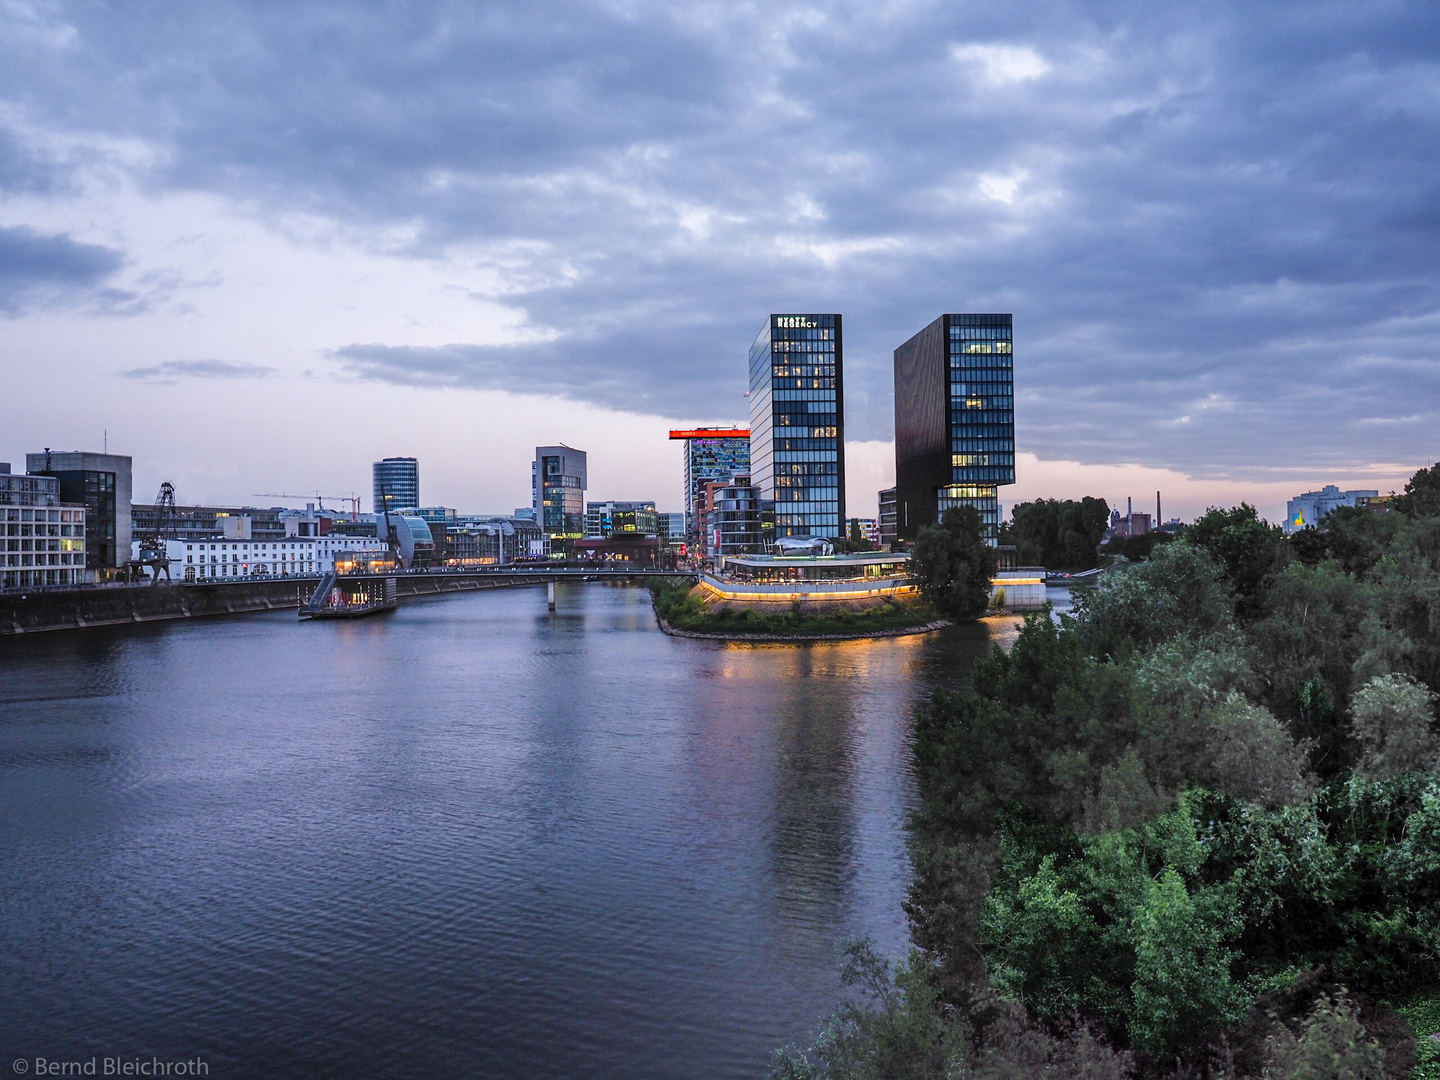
(954, 421)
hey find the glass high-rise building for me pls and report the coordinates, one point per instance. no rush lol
(954, 420)
(713, 453)
(102, 483)
(557, 490)
(797, 425)
(397, 484)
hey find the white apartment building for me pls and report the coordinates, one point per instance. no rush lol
(226, 559)
(41, 541)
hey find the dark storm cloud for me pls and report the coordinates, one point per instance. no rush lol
(1216, 225)
(171, 371)
(39, 269)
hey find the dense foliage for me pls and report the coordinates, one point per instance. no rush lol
(1192, 829)
(1060, 534)
(952, 565)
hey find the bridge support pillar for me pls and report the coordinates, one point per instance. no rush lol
(550, 595)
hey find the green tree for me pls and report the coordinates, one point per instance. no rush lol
(1421, 497)
(1394, 721)
(952, 564)
(1059, 534)
(1251, 551)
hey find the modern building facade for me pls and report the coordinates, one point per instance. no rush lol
(670, 527)
(42, 540)
(608, 518)
(954, 421)
(1308, 510)
(397, 484)
(557, 484)
(733, 522)
(797, 425)
(495, 541)
(711, 453)
(102, 484)
(202, 522)
(887, 518)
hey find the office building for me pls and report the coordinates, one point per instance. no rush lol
(202, 522)
(42, 540)
(887, 518)
(608, 518)
(100, 483)
(670, 528)
(733, 520)
(557, 485)
(397, 484)
(494, 541)
(1308, 510)
(797, 425)
(954, 421)
(711, 453)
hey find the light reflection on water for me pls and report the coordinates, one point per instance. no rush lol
(471, 838)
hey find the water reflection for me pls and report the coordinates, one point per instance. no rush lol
(471, 838)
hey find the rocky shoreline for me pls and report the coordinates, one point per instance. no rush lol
(804, 639)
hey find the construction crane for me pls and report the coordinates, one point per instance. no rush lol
(352, 499)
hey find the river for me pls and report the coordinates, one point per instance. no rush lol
(471, 838)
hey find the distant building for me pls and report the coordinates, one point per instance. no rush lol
(196, 522)
(223, 559)
(495, 541)
(609, 518)
(42, 540)
(888, 534)
(733, 521)
(629, 548)
(557, 485)
(524, 512)
(711, 453)
(436, 513)
(670, 528)
(863, 531)
(954, 421)
(797, 425)
(1308, 510)
(397, 483)
(1129, 523)
(101, 483)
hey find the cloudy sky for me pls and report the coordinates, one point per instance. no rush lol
(258, 245)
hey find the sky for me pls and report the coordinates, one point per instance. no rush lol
(258, 246)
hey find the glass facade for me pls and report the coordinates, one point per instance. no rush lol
(100, 483)
(397, 482)
(954, 420)
(982, 415)
(558, 480)
(797, 426)
(709, 458)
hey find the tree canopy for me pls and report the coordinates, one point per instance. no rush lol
(952, 565)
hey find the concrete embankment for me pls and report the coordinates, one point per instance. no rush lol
(73, 609)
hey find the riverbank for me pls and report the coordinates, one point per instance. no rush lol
(692, 612)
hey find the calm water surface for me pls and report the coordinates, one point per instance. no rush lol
(471, 838)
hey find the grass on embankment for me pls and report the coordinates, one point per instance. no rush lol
(693, 609)
(1424, 1015)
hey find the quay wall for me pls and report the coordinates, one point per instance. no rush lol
(73, 609)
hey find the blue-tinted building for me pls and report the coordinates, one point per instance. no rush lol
(797, 425)
(397, 484)
(558, 478)
(954, 420)
(711, 453)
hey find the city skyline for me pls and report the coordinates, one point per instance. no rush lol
(1218, 250)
